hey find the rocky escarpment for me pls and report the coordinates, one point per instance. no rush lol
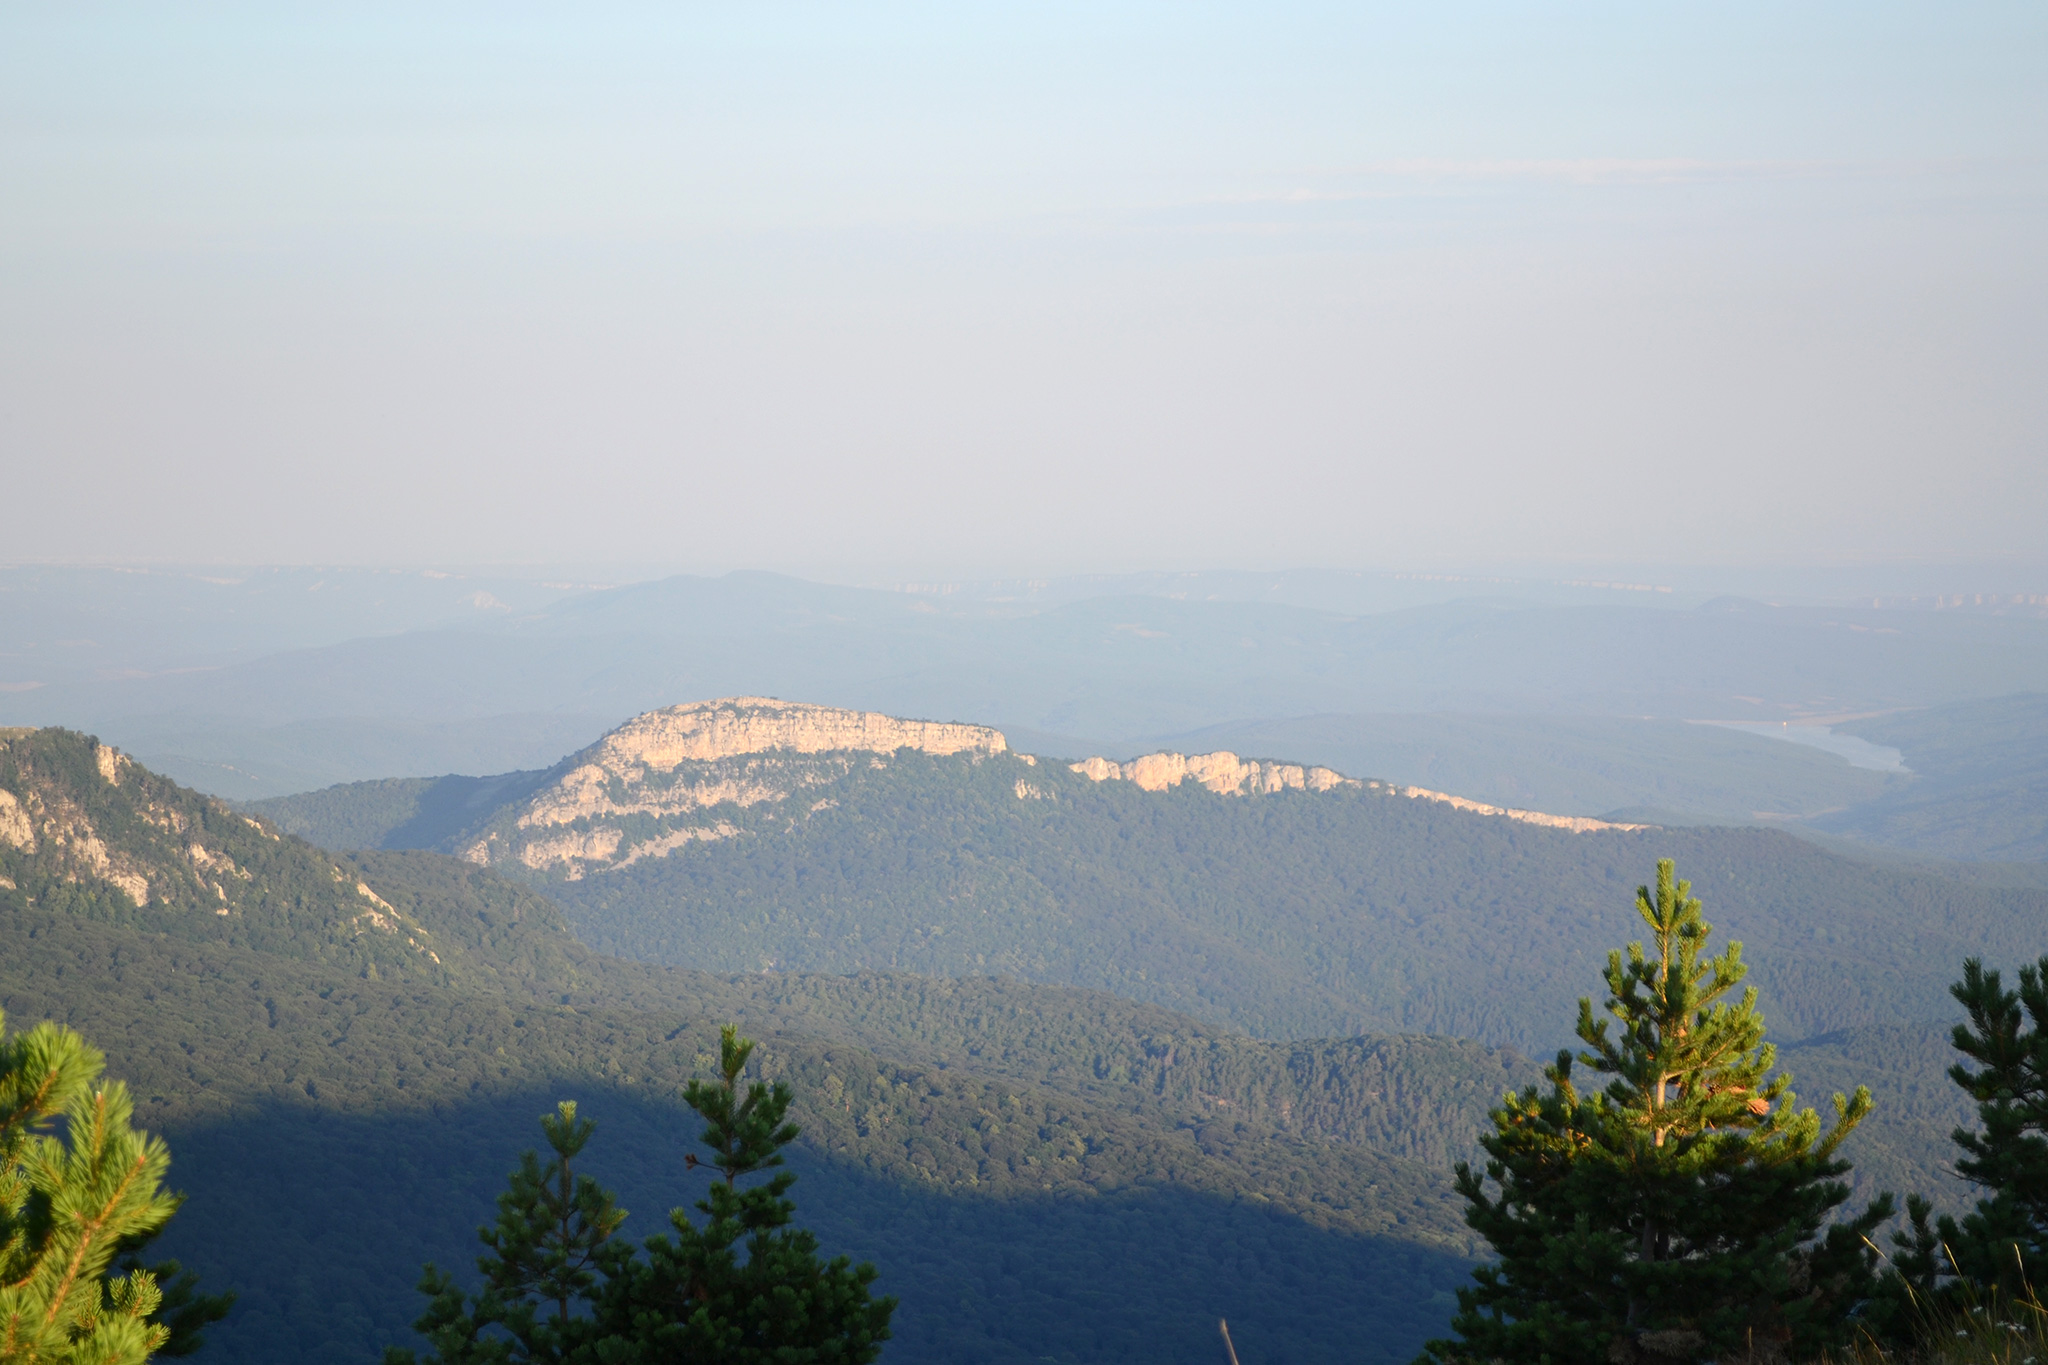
(1577, 824)
(708, 730)
(648, 788)
(1228, 775)
(711, 771)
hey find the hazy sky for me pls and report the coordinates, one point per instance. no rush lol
(1024, 287)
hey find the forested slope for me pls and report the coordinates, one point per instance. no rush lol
(349, 1059)
(1294, 914)
(340, 1113)
(334, 1133)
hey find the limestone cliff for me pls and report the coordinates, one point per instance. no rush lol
(707, 730)
(641, 791)
(1577, 824)
(1222, 772)
(48, 820)
(718, 770)
(1228, 775)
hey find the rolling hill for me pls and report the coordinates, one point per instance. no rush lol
(1980, 789)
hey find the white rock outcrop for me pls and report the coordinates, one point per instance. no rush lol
(1577, 824)
(706, 730)
(619, 775)
(671, 765)
(16, 830)
(1221, 772)
(1228, 775)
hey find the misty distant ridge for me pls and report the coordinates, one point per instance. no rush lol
(152, 617)
(1104, 667)
(277, 681)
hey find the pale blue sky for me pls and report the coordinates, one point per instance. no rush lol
(1045, 287)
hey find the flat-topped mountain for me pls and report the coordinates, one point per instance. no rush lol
(640, 792)
(671, 780)
(347, 1060)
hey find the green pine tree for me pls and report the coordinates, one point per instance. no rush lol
(184, 1312)
(545, 1254)
(560, 1289)
(1680, 1212)
(696, 1298)
(1996, 1249)
(70, 1204)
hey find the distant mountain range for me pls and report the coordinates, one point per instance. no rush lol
(1558, 697)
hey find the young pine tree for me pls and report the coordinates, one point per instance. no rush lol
(2002, 1244)
(561, 1289)
(544, 1256)
(184, 1313)
(696, 1298)
(70, 1204)
(1676, 1213)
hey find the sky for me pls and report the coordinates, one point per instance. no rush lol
(1032, 288)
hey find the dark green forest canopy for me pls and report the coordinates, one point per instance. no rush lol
(362, 1125)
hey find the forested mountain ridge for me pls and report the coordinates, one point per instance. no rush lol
(1409, 1095)
(666, 780)
(1301, 913)
(327, 1110)
(333, 1100)
(457, 924)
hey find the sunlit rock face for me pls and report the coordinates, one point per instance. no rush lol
(640, 791)
(1228, 775)
(1222, 772)
(702, 731)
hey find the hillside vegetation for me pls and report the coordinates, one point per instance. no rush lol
(347, 1061)
(1292, 914)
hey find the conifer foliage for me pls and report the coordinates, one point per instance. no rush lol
(1676, 1213)
(743, 1287)
(1993, 1249)
(543, 1255)
(70, 1204)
